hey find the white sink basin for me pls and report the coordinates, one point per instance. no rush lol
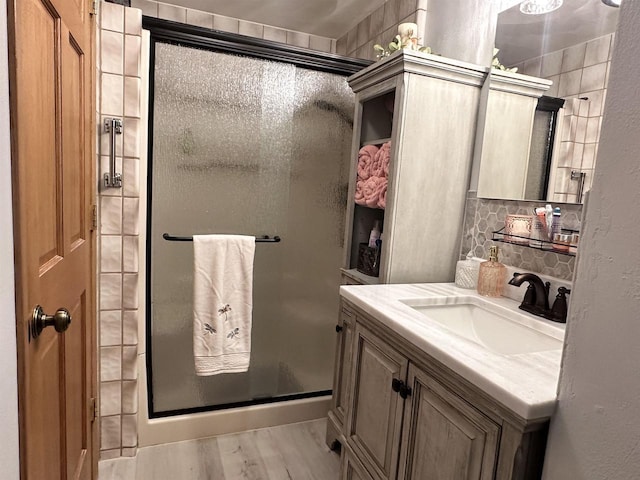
(493, 327)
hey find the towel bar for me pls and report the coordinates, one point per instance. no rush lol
(263, 238)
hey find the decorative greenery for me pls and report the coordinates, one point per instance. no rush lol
(497, 65)
(398, 44)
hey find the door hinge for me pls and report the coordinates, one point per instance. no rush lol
(93, 7)
(94, 217)
(93, 409)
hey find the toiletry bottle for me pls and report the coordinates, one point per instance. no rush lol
(467, 273)
(375, 234)
(556, 226)
(492, 275)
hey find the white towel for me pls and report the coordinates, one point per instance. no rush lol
(222, 303)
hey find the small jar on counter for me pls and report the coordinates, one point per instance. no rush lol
(573, 244)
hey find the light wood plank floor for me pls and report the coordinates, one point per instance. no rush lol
(287, 452)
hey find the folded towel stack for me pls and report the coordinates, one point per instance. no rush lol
(373, 172)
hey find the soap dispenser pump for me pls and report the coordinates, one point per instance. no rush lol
(492, 275)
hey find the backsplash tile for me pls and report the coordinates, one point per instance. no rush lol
(110, 328)
(484, 216)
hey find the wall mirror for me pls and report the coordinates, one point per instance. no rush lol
(571, 47)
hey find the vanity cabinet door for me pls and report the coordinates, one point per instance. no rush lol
(352, 469)
(444, 437)
(342, 371)
(374, 419)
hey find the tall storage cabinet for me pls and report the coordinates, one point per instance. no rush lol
(426, 106)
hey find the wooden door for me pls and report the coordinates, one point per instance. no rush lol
(374, 418)
(443, 436)
(52, 95)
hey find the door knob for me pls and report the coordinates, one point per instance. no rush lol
(40, 320)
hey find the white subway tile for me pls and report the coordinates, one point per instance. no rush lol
(111, 215)
(321, 44)
(129, 363)
(581, 129)
(129, 451)
(130, 290)
(552, 64)
(593, 130)
(110, 364)
(298, 39)
(110, 291)
(275, 34)
(110, 328)
(376, 22)
(110, 253)
(110, 429)
(578, 151)
(589, 156)
(132, 49)
(130, 216)
(110, 399)
(593, 77)
(112, 52)
(363, 31)
(131, 177)
(341, 45)
(391, 11)
(199, 18)
(406, 8)
(597, 51)
(225, 24)
(132, 97)
(133, 21)
(129, 430)
(250, 29)
(569, 83)
(573, 57)
(130, 327)
(173, 13)
(111, 17)
(130, 396)
(131, 137)
(110, 454)
(533, 67)
(112, 94)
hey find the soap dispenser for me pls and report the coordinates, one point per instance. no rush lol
(492, 275)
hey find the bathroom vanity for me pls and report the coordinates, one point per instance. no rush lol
(433, 381)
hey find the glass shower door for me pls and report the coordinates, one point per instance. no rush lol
(248, 146)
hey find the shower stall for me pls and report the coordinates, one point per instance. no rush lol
(245, 137)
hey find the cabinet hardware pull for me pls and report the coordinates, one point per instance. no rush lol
(405, 391)
(397, 385)
(338, 328)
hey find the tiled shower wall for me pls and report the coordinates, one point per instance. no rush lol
(577, 72)
(119, 72)
(485, 216)
(381, 27)
(199, 18)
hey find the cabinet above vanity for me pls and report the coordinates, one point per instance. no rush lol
(433, 381)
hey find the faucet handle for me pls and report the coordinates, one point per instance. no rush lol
(559, 310)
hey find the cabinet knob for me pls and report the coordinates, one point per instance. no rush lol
(405, 391)
(338, 328)
(396, 385)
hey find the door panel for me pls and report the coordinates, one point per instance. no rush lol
(375, 414)
(444, 437)
(51, 113)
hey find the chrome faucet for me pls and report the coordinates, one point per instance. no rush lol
(536, 299)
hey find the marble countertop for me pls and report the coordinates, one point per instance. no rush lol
(525, 383)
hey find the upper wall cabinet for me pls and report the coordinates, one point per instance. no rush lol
(414, 131)
(507, 170)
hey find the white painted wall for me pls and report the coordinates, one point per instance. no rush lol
(596, 431)
(9, 446)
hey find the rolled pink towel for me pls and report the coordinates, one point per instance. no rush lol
(365, 159)
(380, 165)
(359, 193)
(371, 191)
(382, 194)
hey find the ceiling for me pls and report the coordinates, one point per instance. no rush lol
(327, 18)
(521, 37)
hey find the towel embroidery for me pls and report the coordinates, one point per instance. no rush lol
(209, 329)
(224, 310)
(234, 333)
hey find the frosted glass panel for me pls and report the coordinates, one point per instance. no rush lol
(249, 146)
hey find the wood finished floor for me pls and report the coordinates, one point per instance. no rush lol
(288, 452)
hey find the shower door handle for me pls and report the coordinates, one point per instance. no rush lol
(113, 126)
